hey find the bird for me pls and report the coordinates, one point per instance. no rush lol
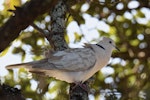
(72, 65)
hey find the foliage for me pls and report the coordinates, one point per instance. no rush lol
(125, 21)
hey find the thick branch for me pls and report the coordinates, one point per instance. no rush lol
(58, 25)
(10, 93)
(23, 17)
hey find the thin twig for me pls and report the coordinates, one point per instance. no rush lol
(44, 33)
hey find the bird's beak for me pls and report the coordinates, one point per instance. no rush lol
(116, 48)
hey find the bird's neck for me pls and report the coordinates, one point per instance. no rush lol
(102, 47)
(102, 51)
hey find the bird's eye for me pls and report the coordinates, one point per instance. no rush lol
(110, 42)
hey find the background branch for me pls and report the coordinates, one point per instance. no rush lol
(23, 17)
(42, 31)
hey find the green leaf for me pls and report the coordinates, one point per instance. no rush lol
(77, 37)
(4, 52)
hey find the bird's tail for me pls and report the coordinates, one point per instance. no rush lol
(38, 67)
(34, 64)
(25, 65)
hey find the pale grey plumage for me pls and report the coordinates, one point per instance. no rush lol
(73, 65)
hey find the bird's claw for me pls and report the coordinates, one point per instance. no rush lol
(83, 86)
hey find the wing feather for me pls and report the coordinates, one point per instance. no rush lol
(74, 59)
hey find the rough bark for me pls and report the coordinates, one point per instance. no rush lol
(23, 17)
(56, 37)
(10, 93)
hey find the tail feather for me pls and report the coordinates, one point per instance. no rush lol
(34, 64)
(25, 65)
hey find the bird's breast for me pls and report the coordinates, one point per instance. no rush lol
(68, 76)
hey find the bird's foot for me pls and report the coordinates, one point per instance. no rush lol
(83, 86)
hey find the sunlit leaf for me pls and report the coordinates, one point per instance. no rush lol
(128, 79)
(134, 42)
(67, 38)
(4, 52)
(77, 37)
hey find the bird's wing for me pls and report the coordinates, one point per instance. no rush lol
(74, 59)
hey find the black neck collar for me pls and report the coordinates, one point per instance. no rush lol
(100, 46)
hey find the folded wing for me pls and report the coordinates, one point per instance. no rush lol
(74, 59)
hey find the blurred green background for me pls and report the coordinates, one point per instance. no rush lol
(127, 75)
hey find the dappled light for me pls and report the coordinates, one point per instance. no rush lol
(127, 75)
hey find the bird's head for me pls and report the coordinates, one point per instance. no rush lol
(106, 42)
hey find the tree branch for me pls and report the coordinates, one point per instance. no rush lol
(43, 32)
(10, 93)
(23, 17)
(58, 14)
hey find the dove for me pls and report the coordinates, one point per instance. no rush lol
(73, 65)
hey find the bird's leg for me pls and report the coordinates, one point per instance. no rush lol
(84, 86)
(78, 92)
